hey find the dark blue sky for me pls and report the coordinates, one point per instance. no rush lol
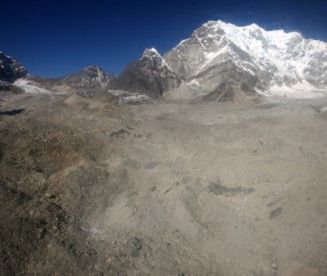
(56, 37)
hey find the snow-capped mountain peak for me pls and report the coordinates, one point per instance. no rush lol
(275, 58)
(149, 75)
(151, 54)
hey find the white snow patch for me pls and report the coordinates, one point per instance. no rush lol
(127, 97)
(297, 91)
(28, 87)
(135, 99)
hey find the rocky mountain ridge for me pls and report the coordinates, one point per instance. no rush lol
(10, 69)
(217, 54)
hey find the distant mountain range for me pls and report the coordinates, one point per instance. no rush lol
(91, 77)
(217, 57)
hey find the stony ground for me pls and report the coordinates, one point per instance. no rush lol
(170, 188)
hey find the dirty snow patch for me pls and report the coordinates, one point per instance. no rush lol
(29, 87)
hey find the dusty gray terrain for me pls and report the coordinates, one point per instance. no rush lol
(169, 188)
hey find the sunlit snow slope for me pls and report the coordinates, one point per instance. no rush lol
(270, 61)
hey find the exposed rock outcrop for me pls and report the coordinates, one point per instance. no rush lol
(10, 69)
